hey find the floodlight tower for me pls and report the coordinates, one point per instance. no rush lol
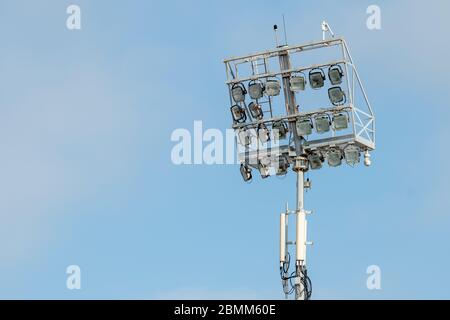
(349, 124)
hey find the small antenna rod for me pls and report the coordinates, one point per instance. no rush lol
(285, 34)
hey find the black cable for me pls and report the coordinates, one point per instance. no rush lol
(288, 287)
(287, 281)
(307, 284)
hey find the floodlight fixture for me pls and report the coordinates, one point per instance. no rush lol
(245, 137)
(322, 122)
(256, 89)
(337, 96)
(297, 82)
(256, 110)
(246, 173)
(279, 129)
(304, 127)
(335, 74)
(352, 155)
(272, 87)
(316, 78)
(264, 170)
(238, 114)
(315, 160)
(340, 121)
(263, 133)
(238, 92)
(283, 165)
(334, 157)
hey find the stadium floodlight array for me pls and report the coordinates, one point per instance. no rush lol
(271, 87)
(275, 134)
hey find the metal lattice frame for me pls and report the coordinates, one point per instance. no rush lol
(362, 119)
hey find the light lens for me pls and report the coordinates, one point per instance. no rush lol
(304, 127)
(335, 75)
(340, 121)
(264, 171)
(272, 88)
(316, 79)
(297, 83)
(315, 161)
(238, 93)
(256, 110)
(279, 130)
(334, 157)
(255, 90)
(283, 165)
(352, 155)
(238, 114)
(336, 95)
(322, 123)
(245, 138)
(263, 134)
(246, 173)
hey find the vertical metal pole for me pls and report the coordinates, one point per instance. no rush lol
(286, 246)
(300, 189)
(291, 108)
(291, 105)
(285, 34)
(286, 274)
(300, 238)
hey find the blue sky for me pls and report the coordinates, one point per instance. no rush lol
(86, 176)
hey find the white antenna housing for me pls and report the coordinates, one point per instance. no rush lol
(282, 238)
(301, 236)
